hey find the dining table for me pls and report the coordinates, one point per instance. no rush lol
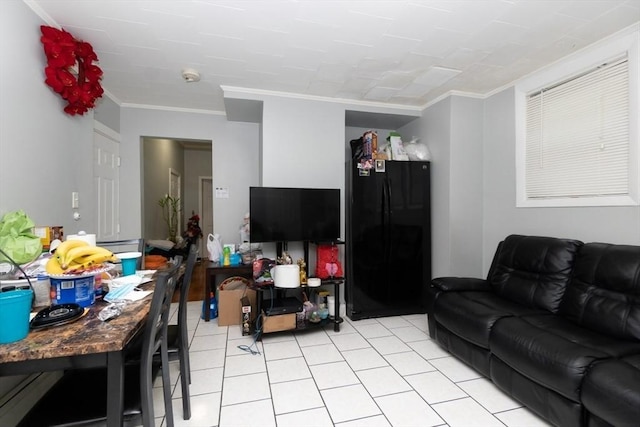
(83, 343)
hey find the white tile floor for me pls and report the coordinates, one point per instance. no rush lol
(374, 372)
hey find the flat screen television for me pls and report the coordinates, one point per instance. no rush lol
(294, 214)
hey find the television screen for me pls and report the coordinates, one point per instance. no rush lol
(294, 214)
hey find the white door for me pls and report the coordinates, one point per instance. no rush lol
(106, 182)
(206, 207)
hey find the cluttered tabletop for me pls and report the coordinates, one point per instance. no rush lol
(85, 335)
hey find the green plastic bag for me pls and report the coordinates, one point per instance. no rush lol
(17, 239)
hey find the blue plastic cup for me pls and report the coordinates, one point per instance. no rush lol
(15, 307)
(129, 261)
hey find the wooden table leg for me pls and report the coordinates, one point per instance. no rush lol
(115, 388)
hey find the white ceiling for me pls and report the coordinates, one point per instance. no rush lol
(383, 52)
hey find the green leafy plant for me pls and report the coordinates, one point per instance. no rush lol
(170, 212)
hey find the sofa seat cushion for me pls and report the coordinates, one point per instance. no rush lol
(553, 351)
(611, 391)
(471, 315)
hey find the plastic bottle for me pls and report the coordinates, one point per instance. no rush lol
(213, 306)
(226, 256)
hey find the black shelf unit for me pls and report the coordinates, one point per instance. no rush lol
(334, 318)
(274, 292)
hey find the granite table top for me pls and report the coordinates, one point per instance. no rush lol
(87, 335)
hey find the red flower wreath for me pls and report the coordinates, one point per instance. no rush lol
(64, 52)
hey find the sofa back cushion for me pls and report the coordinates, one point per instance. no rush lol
(604, 293)
(533, 270)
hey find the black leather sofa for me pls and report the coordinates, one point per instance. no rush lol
(556, 325)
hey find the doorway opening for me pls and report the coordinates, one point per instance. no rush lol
(185, 162)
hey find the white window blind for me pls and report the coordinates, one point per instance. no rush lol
(577, 135)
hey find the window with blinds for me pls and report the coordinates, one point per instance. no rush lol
(577, 125)
(577, 135)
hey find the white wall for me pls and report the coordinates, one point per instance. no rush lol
(45, 153)
(234, 157)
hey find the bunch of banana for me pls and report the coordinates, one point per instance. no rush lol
(75, 256)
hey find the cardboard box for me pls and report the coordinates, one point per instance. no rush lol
(281, 322)
(230, 308)
(49, 233)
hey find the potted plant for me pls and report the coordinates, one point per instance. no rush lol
(170, 211)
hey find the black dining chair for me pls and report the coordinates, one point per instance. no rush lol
(178, 335)
(80, 397)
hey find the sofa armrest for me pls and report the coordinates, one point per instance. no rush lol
(456, 284)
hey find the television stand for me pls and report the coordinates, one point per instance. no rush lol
(263, 307)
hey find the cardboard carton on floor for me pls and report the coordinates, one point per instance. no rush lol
(230, 307)
(281, 322)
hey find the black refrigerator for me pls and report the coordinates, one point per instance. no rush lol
(388, 239)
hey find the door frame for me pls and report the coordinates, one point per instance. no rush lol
(203, 240)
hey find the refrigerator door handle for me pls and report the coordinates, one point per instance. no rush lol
(387, 223)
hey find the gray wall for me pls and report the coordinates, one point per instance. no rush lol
(616, 224)
(46, 154)
(107, 112)
(234, 158)
(452, 129)
(197, 163)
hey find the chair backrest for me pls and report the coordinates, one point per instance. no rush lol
(128, 245)
(155, 330)
(184, 288)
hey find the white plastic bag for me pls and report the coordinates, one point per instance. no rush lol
(214, 247)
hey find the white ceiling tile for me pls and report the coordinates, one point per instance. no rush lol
(380, 93)
(462, 58)
(588, 10)
(441, 42)
(321, 88)
(505, 55)
(550, 28)
(301, 57)
(493, 36)
(607, 23)
(416, 21)
(333, 73)
(359, 85)
(436, 76)
(397, 80)
(352, 49)
(414, 90)
(470, 17)
(529, 14)
(413, 62)
(394, 48)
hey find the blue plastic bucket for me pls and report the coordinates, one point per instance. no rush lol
(15, 307)
(69, 290)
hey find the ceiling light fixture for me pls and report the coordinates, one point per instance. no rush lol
(190, 75)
